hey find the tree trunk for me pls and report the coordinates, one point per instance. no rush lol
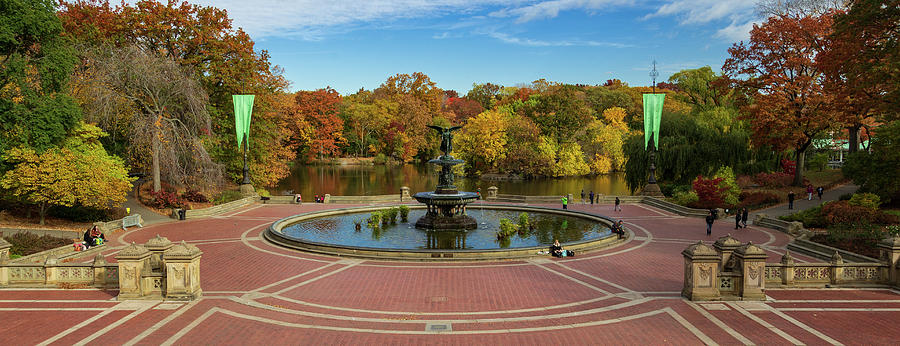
(853, 141)
(43, 212)
(798, 168)
(154, 153)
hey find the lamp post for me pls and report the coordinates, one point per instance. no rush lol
(653, 104)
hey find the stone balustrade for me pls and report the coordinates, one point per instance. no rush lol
(156, 270)
(731, 270)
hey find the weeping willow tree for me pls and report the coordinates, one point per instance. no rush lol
(686, 149)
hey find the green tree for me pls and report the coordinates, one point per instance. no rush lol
(686, 149)
(35, 64)
(78, 173)
(878, 172)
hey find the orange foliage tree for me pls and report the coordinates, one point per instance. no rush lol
(780, 74)
(318, 110)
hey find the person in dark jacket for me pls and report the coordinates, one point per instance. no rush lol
(710, 218)
(93, 237)
(617, 207)
(737, 218)
(592, 197)
(791, 200)
(745, 213)
(556, 249)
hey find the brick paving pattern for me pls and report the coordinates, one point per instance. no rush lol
(256, 293)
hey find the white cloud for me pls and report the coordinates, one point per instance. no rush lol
(550, 9)
(738, 13)
(736, 31)
(309, 19)
(564, 43)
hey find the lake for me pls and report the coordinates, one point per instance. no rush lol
(367, 180)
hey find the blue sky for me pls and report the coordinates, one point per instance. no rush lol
(352, 44)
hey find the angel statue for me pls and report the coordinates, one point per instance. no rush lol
(446, 137)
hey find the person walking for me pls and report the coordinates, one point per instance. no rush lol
(737, 218)
(744, 214)
(582, 196)
(592, 197)
(791, 200)
(565, 202)
(809, 191)
(819, 191)
(618, 206)
(709, 222)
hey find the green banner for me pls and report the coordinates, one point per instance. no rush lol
(243, 108)
(653, 105)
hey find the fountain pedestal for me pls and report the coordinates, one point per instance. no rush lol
(446, 206)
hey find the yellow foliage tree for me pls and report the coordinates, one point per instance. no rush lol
(482, 142)
(605, 141)
(78, 173)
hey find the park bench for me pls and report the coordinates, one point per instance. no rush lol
(131, 220)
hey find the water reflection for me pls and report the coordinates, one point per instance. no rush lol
(357, 180)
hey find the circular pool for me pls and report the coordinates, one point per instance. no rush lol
(335, 232)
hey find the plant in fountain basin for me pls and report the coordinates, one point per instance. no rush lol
(404, 213)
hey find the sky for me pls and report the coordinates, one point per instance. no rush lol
(353, 44)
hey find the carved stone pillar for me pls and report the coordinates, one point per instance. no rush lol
(492, 192)
(99, 271)
(132, 262)
(890, 255)
(837, 269)
(725, 246)
(157, 246)
(751, 260)
(701, 272)
(183, 272)
(787, 269)
(4, 257)
(404, 194)
(51, 275)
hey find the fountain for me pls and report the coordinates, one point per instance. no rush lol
(446, 206)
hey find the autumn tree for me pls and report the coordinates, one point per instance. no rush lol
(863, 64)
(80, 172)
(485, 94)
(777, 68)
(318, 111)
(220, 57)
(462, 109)
(35, 64)
(418, 101)
(168, 110)
(482, 141)
(561, 113)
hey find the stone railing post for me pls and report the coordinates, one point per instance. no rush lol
(492, 192)
(725, 246)
(51, 274)
(701, 272)
(404, 194)
(787, 269)
(4, 257)
(890, 255)
(751, 260)
(757, 218)
(157, 246)
(182, 272)
(132, 261)
(99, 271)
(837, 269)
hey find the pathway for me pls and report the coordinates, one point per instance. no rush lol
(257, 293)
(801, 203)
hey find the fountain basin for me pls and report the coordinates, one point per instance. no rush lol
(322, 235)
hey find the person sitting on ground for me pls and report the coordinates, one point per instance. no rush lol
(619, 228)
(555, 249)
(93, 237)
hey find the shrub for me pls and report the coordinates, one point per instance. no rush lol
(507, 228)
(843, 212)
(165, 199)
(811, 218)
(845, 197)
(730, 189)
(379, 159)
(391, 215)
(868, 200)
(374, 220)
(744, 181)
(789, 167)
(773, 180)
(24, 243)
(80, 213)
(710, 192)
(864, 232)
(404, 213)
(228, 196)
(263, 192)
(685, 198)
(817, 161)
(893, 230)
(754, 200)
(194, 196)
